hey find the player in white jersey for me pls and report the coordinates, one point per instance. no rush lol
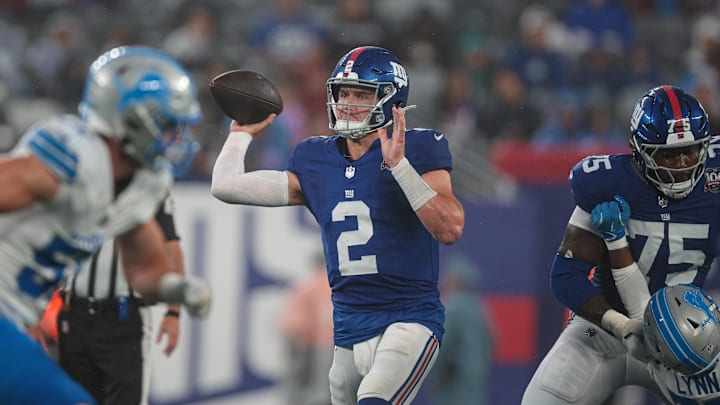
(681, 327)
(73, 182)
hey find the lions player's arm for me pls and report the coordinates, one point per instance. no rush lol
(25, 179)
(443, 215)
(144, 257)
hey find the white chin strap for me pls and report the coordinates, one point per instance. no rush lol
(345, 125)
(677, 190)
(352, 129)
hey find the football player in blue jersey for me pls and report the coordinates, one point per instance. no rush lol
(383, 202)
(669, 237)
(73, 182)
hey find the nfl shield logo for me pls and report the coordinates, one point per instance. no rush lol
(662, 201)
(350, 172)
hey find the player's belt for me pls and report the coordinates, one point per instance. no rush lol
(102, 306)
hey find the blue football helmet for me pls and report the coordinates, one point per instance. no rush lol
(367, 67)
(145, 99)
(680, 328)
(668, 123)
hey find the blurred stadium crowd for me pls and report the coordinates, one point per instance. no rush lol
(553, 73)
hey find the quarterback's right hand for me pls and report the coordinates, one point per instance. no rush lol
(610, 218)
(252, 129)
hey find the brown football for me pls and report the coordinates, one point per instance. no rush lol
(245, 96)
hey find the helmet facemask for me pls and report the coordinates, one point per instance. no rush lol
(342, 121)
(155, 140)
(673, 182)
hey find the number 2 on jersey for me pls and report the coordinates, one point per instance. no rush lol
(356, 237)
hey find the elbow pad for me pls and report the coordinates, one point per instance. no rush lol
(569, 282)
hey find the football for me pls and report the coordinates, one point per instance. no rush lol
(246, 96)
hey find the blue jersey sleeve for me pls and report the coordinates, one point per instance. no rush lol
(306, 152)
(427, 150)
(596, 179)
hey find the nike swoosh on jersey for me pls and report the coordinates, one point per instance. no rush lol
(438, 137)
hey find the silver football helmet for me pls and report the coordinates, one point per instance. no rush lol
(145, 99)
(681, 329)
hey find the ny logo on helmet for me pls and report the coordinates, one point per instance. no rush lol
(636, 115)
(401, 78)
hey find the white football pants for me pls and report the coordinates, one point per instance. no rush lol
(585, 366)
(391, 366)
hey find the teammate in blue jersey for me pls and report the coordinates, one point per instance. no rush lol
(383, 202)
(642, 221)
(73, 182)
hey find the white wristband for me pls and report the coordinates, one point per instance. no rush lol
(412, 184)
(617, 244)
(614, 322)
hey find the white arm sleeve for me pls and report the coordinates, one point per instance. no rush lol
(582, 219)
(231, 184)
(630, 281)
(633, 289)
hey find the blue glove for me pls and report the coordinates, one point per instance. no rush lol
(610, 218)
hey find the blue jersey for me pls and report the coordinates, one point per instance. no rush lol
(382, 263)
(672, 241)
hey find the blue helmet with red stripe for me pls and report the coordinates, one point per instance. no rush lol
(373, 68)
(681, 329)
(670, 138)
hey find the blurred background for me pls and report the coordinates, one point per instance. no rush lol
(521, 90)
